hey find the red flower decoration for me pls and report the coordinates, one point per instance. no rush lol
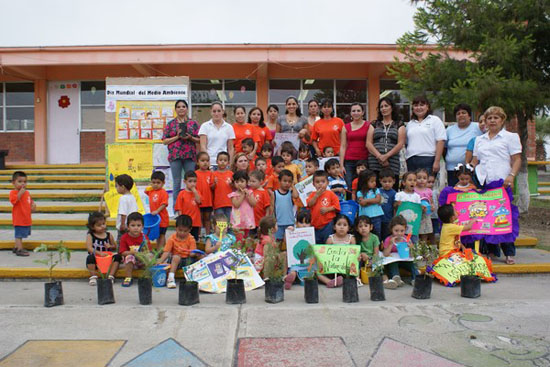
(64, 102)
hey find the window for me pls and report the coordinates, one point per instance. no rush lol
(230, 93)
(391, 89)
(92, 105)
(341, 92)
(17, 103)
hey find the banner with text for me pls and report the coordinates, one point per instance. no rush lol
(337, 259)
(142, 121)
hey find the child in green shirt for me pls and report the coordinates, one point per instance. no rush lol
(369, 241)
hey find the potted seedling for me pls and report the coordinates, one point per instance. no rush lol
(274, 271)
(235, 293)
(105, 293)
(311, 283)
(376, 283)
(53, 290)
(423, 254)
(145, 282)
(470, 284)
(189, 289)
(349, 289)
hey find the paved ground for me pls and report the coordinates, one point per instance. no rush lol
(507, 326)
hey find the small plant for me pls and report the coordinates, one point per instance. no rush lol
(377, 266)
(241, 248)
(423, 254)
(148, 259)
(471, 258)
(63, 254)
(274, 262)
(309, 253)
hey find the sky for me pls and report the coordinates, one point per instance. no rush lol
(38, 23)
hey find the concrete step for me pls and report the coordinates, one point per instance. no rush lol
(544, 191)
(544, 183)
(66, 166)
(58, 186)
(59, 219)
(529, 261)
(62, 207)
(55, 178)
(57, 171)
(52, 195)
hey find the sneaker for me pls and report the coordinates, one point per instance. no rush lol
(93, 280)
(171, 283)
(398, 280)
(390, 284)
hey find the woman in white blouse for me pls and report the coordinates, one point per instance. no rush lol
(497, 156)
(425, 137)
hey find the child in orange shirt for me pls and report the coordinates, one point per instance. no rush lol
(248, 149)
(324, 205)
(287, 153)
(205, 184)
(268, 227)
(223, 178)
(180, 246)
(188, 202)
(263, 201)
(261, 165)
(23, 205)
(360, 167)
(158, 202)
(267, 154)
(273, 180)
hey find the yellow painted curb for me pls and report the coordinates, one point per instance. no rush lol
(537, 268)
(59, 186)
(31, 178)
(66, 222)
(544, 191)
(32, 273)
(57, 209)
(544, 183)
(526, 242)
(31, 245)
(57, 195)
(62, 171)
(84, 165)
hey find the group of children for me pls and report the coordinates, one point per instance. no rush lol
(258, 198)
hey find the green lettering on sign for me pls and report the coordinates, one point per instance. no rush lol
(341, 259)
(474, 196)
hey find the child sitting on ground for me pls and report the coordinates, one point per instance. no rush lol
(98, 242)
(220, 240)
(158, 202)
(369, 241)
(303, 219)
(398, 225)
(450, 231)
(341, 236)
(23, 205)
(179, 247)
(268, 227)
(131, 243)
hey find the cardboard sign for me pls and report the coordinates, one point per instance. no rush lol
(142, 121)
(450, 267)
(212, 272)
(297, 243)
(337, 259)
(135, 160)
(304, 188)
(280, 138)
(491, 210)
(112, 198)
(412, 213)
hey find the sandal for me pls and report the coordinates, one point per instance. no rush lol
(510, 261)
(127, 282)
(21, 252)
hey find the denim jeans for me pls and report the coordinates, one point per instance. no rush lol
(417, 162)
(393, 268)
(321, 235)
(176, 167)
(350, 166)
(509, 248)
(377, 225)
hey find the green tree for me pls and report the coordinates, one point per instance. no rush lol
(484, 53)
(300, 250)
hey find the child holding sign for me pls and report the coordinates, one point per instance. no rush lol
(341, 236)
(220, 240)
(450, 232)
(398, 225)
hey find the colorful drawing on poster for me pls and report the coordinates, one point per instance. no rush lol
(112, 197)
(491, 210)
(135, 160)
(304, 188)
(450, 267)
(212, 272)
(297, 243)
(280, 138)
(337, 259)
(142, 121)
(412, 213)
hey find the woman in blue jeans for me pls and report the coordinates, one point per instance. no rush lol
(181, 136)
(426, 137)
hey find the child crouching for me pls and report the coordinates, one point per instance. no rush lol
(131, 243)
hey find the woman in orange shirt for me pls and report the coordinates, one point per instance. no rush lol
(256, 118)
(327, 131)
(243, 130)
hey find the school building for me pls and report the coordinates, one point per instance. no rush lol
(52, 76)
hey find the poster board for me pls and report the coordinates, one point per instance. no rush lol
(491, 210)
(280, 138)
(297, 242)
(112, 198)
(412, 213)
(213, 271)
(134, 159)
(323, 161)
(304, 188)
(450, 267)
(142, 121)
(337, 259)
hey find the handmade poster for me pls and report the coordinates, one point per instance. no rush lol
(305, 188)
(168, 180)
(323, 161)
(337, 259)
(412, 213)
(297, 243)
(280, 138)
(135, 160)
(142, 121)
(112, 197)
(394, 257)
(491, 210)
(212, 272)
(160, 155)
(450, 267)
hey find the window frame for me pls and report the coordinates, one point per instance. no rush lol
(88, 105)
(4, 107)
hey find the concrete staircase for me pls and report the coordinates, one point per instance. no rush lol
(65, 194)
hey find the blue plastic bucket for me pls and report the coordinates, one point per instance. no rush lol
(151, 225)
(349, 209)
(159, 276)
(403, 250)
